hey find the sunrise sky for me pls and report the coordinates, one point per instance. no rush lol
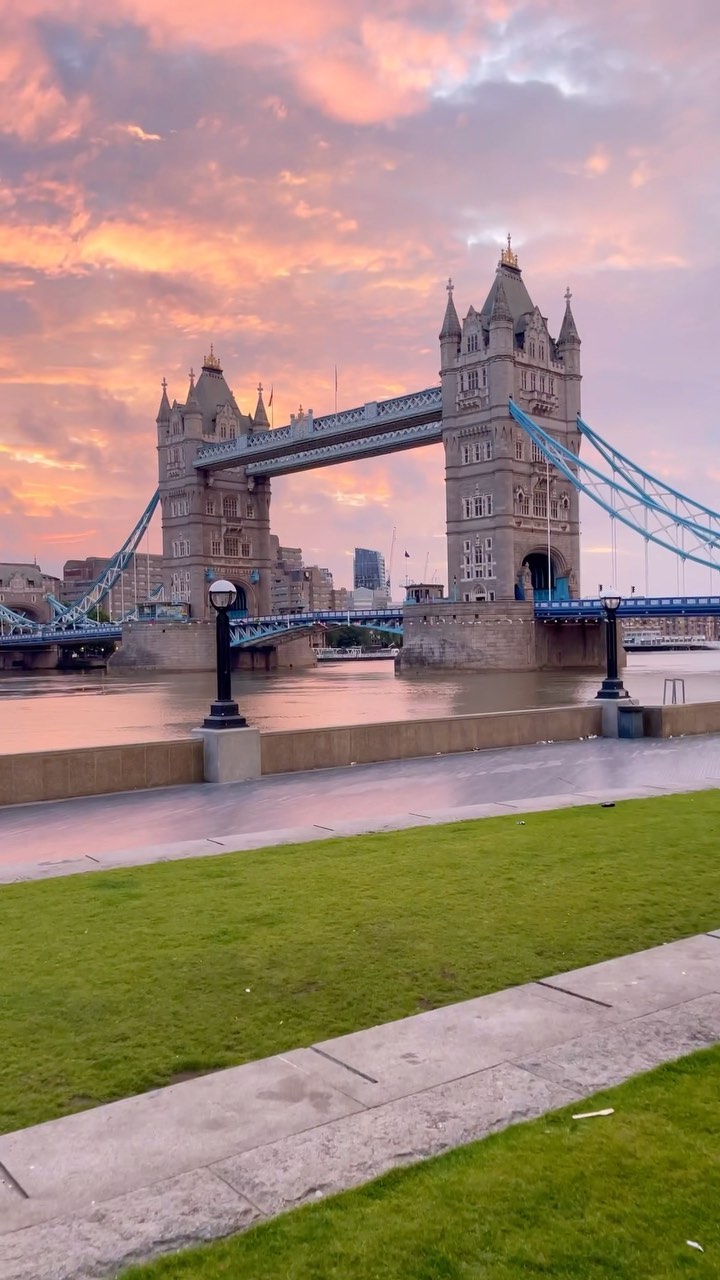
(294, 181)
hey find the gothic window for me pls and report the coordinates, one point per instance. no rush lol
(466, 545)
(551, 386)
(472, 342)
(484, 564)
(180, 547)
(542, 350)
(180, 586)
(484, 376)
(542, 381)
(532, 350)
(245, 550)
(532, 381)
(482, 505)
(467, 504)
(215, 546)
(554, 509)
(223, 431)
(231, 547)
(473, 380)
(209, 506)
(462, 382)
(537, 453)
(230, 508)
(249, 510)
(540, 504)
(522, 503)
(519, 449)
(480, 452)
(523, 380)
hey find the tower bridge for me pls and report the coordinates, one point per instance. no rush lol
(507, 412)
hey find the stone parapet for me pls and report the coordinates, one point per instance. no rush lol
(92, 771)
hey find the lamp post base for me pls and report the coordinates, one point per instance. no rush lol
(224, 715)
(612, 690)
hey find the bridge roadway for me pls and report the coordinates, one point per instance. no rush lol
(382, 426)
(248, 631)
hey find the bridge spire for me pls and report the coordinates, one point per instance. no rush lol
(451, 324)
(569, 335)
(260, 418)
(163, 413)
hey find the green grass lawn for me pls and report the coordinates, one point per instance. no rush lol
(120, 981)
(615, 1198)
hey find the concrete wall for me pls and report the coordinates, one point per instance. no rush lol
(689, 718)
(289, 751)
(132, 766)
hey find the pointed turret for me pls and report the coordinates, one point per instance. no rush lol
(569, 335)
(451, 324)
(260, 418)
(500, 313)
(192, 404)
(163, 413)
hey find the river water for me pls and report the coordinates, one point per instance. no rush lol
(61, 709)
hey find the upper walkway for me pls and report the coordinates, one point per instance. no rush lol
(381, 426)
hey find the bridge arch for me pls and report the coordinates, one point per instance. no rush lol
(534, 565)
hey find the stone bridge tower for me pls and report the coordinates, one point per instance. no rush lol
(503, 506)
(215, 525)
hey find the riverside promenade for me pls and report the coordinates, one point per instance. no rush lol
(85, 1195)
(130, 828)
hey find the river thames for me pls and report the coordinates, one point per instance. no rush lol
(55, 710)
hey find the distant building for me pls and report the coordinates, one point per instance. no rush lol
(364, 598)
(24, 589)
(296, 587)
(369, 570)
(141, 578)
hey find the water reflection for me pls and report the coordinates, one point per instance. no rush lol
(68, 709)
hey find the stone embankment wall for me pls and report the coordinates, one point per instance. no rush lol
(498, 637)
(190, 646)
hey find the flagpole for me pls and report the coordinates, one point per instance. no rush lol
(336, 393)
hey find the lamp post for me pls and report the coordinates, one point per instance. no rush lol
(612, 687)
(224, 712)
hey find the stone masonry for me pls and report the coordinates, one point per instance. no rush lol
(499, 492)
(214, 525)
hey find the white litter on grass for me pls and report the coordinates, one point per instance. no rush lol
(247, 990)
(520, 824)
(694, 1245)
(590, 1115)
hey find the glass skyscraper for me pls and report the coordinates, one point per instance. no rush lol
(369, 569)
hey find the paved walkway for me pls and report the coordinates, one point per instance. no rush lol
(85, 1195)
(68, 836)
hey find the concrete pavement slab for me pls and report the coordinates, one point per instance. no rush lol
(111, 1150)
(611, 1054)
(649, 980)
(351, 1151)
(457, 1040)
(157, 1219)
